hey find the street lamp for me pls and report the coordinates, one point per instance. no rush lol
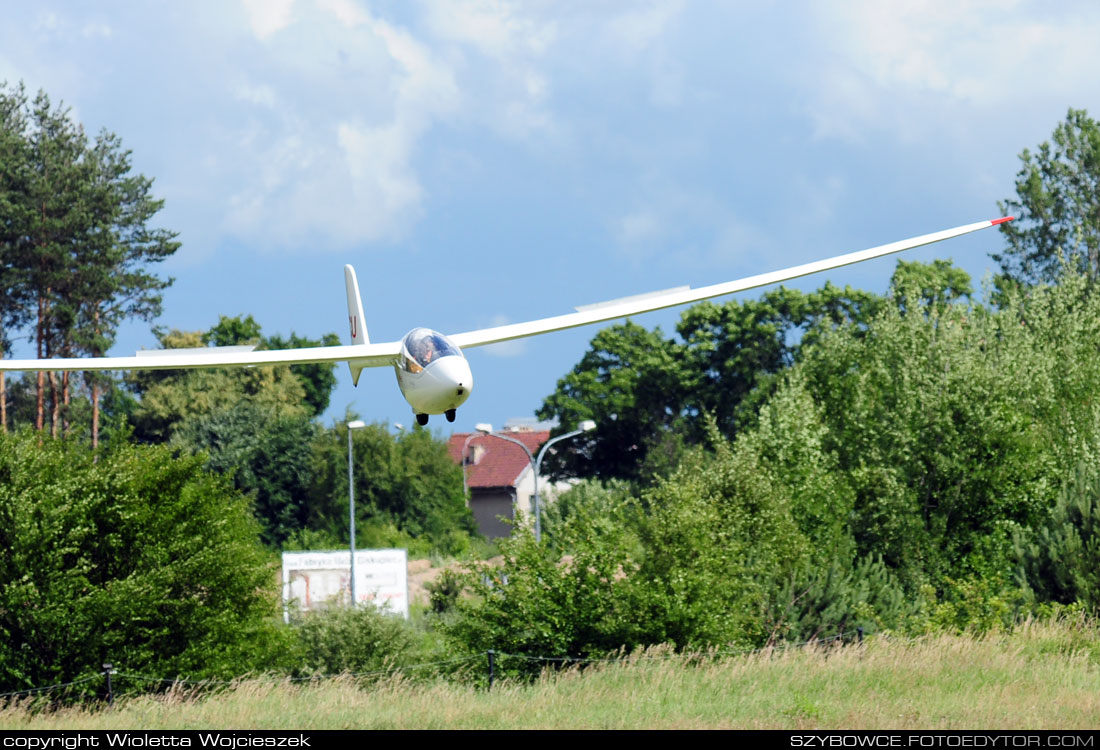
(356, 425)
(479, 429)
(585, 426)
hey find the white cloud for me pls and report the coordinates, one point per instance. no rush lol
(818, 199)
(48, 20)
(505, 349)
(96, 28)
(501, 49)
(637, 30)
(268, 16)
(324, 177)
(382, 182)
(347, 12)
(984, 53)
(493, 27)
(263, 95)
(638, 227)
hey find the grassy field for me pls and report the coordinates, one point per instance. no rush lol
(1043, 675)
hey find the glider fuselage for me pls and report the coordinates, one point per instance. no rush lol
(432, 373)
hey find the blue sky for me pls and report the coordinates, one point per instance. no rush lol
(488, 161)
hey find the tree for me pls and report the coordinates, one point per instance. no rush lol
(267, 455)
(1057, 205)
(317, 380)
(14, 177)
(928, 286)
(406, 489)
(77, 236)
(740, 346)
(170, 398)
(632, 383)
(650, 395)
(1059, 559)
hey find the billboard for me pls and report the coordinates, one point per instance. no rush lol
(312, 580)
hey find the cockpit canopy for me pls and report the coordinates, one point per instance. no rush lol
(422, 346)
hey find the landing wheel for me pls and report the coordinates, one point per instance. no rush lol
(450, 415)
(422, 419)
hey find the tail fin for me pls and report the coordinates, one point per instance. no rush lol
(355, 318)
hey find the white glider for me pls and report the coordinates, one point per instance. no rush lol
(432, 372)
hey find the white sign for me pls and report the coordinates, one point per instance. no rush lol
(313, 580)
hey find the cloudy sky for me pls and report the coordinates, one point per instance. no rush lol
(486, 161)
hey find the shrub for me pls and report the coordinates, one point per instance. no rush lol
(1059, 560)
(340, 639)
(130, 555)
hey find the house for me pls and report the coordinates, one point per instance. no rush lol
(499, 478)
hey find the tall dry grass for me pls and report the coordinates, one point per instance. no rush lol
(1041, 676)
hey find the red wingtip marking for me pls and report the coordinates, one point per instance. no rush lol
(995, 222)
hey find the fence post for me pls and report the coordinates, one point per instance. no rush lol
(108, 670)
(859, 633)
(492, 665)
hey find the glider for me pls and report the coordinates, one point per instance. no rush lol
(432, 373)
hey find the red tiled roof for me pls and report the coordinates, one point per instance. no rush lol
(501, 462)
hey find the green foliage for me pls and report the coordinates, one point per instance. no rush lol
(823, 600)
(340, 639)
(1057, 206)
(694, 562)
(931, 419)
(232, 332)
(170, 398)
(537, 603)
(406, 488)
(928, 286)
(626, 383)
(267, 455)
(738, 347)
(714, 537)
(650, 396)
(317, 380)
(601, 504)
(1058, 560)
(129, 555)
(444, 591)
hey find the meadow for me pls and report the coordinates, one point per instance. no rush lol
(1041, 675)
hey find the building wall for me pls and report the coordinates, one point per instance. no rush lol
(488, 507)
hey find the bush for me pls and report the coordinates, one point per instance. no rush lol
(338, 639)
(131, 556)
(538, 603)
(1059, 560)
(823, 600)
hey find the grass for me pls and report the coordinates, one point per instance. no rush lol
(1041, 676)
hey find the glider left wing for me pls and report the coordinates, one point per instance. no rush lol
(670, 298)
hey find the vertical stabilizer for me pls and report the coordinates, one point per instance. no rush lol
(355, 318)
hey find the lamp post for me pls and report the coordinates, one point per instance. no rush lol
(479, 429)
(585, 426)
(356, 425)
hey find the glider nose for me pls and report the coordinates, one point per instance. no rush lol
(445, 384)
(454, 378)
